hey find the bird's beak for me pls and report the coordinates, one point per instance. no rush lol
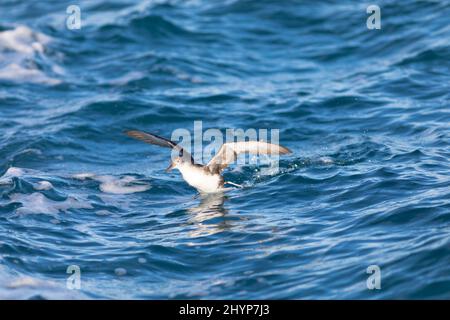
(170, 167)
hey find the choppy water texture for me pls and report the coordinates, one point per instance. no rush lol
(366, 113)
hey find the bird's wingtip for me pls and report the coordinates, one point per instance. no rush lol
(128, 131)
(285, 150)
(132, 133)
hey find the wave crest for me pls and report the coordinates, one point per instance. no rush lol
(23, 57)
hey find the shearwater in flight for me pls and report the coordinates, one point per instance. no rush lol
(208, 178)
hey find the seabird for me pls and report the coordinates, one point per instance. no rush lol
(208, 178)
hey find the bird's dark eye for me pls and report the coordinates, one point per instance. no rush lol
(181, 153)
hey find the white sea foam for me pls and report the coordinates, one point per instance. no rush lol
(102, 212)
(18, 47)
(115, 185)
(326, 160)
(24, 40)
(12, 172)
(16, 72)
(43, 185)
(83, 176)
(120, 271)
(124, 185)
(39, 203)
(127, 78)
(18, 286)
(142, 260)
(24, 282)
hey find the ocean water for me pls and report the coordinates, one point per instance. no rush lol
(365, 112)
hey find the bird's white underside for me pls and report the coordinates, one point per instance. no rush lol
(199, 179)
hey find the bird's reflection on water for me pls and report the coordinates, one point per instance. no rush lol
(209, 216)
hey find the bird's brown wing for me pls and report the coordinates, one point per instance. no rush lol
(159, 141)
(151, 138)
(228, 153)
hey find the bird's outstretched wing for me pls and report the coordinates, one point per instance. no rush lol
(228, 152)
(151, 138)
(159, 141)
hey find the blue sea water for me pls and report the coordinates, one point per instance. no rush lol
(365, 112)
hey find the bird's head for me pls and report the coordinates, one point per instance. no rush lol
(174, 164)
(179, 160)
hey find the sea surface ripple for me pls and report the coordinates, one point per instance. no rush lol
(366, 112)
